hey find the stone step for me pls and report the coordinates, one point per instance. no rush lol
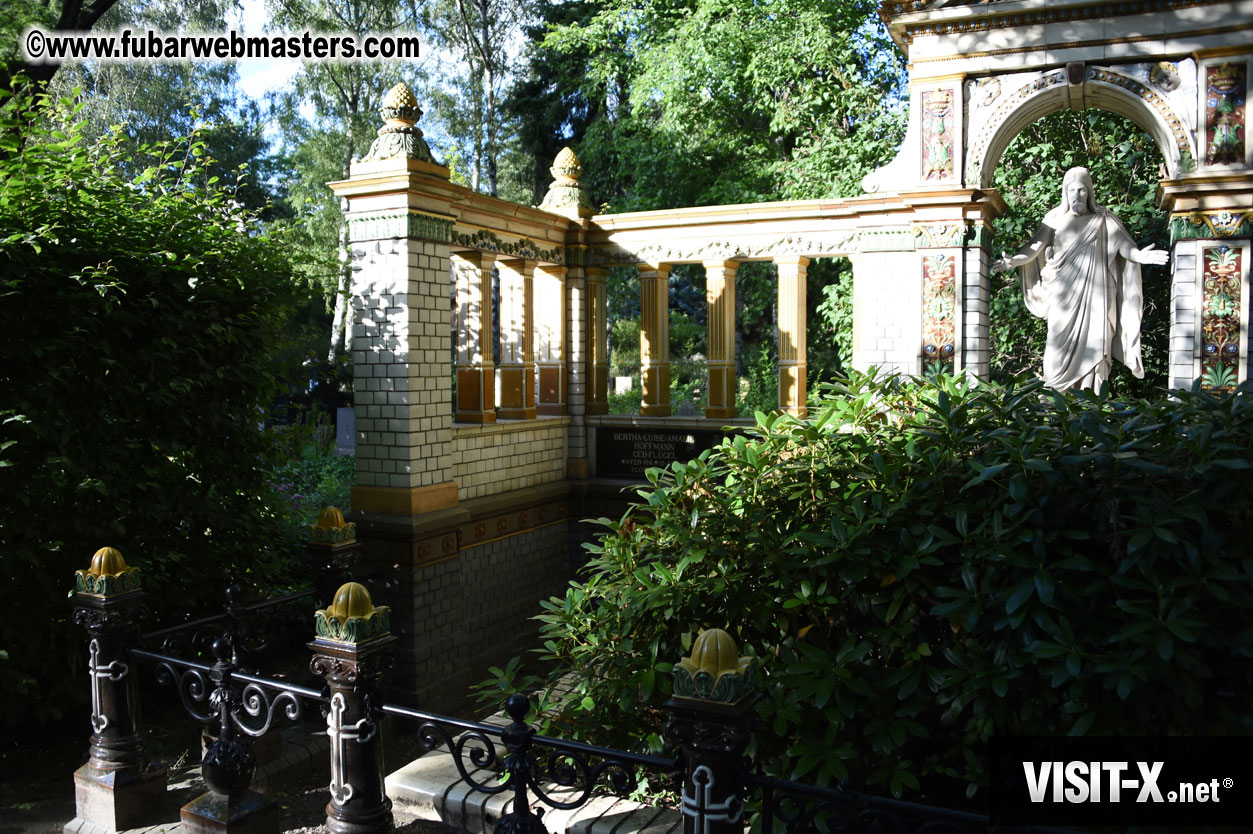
(431, 788)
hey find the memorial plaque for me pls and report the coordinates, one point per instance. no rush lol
(627, 452)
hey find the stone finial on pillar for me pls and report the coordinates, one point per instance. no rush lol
(566, 195)
(119, 787)
(353, 650)
(331, 551)
(399, 135)
(710, 718)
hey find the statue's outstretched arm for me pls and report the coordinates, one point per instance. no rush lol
(1029, 253)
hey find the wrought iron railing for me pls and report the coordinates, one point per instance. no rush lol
(709, 722)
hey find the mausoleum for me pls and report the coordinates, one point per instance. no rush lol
(478, 500)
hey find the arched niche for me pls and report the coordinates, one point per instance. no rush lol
(1103, 88)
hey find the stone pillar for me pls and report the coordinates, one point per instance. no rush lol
(550, 338)
(399, 234)
(655, 339)
(792, 341)
(720, 337)
(352, 651)
(711, 716)
(1185, 352)
(119, 787)
(517, 340)
(476, 375)
(596, 293)
(976, 297)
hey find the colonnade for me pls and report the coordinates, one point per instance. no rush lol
(540, 316)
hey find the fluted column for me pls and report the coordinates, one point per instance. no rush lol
(720, 337)
(517, 340)
(596, 292)
(550, 331)
(655, 339)
(476, 386)
(792, 359)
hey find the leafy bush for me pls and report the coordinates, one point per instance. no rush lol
(919, 567)
(142, 318)
(309, 475)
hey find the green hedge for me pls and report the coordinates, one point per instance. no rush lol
(143, 317)
(921, 566)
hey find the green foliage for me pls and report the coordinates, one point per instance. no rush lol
(921, 566)
(308, 474)
(142, 318)
(1124, 163)
(719, 101)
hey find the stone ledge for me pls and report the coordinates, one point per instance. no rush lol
(431, 788)
(78, 825)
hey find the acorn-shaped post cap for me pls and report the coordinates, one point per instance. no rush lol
(715, 671)
(352, 616)
(108, 574)
(399, 135)
(331, 528)
(566, 194)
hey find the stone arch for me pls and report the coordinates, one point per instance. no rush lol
(1100, 87)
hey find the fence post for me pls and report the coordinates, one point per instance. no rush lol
(119, 787)
(228, 766)
(331, 550)
(710, 719)
(353, 650)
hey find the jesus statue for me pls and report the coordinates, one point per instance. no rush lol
(1081, 272)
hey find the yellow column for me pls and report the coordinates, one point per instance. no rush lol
(791, 304)
(720, 337)
(517, 340)
(596, 313)
(550, 338)
(476, 386)
(655, 339)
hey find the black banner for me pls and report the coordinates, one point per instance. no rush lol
(1175, 782)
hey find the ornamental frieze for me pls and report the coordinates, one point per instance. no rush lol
(726, 250)
(412, 225)
(1211, 224)
(486, 240)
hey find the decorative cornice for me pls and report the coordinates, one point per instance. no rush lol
(838, 244)
(413, 225)
(1033, 17)
(486, 240)
(1211, 224)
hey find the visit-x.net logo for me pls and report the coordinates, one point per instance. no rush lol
(1184, 782)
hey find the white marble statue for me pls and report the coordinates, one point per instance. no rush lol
(1081, 272)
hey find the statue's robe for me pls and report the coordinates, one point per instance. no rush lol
(1092, 298)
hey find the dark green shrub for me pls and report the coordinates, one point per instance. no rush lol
(142, 318)
(919, 567)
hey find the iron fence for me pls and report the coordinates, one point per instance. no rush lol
(709, 723)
